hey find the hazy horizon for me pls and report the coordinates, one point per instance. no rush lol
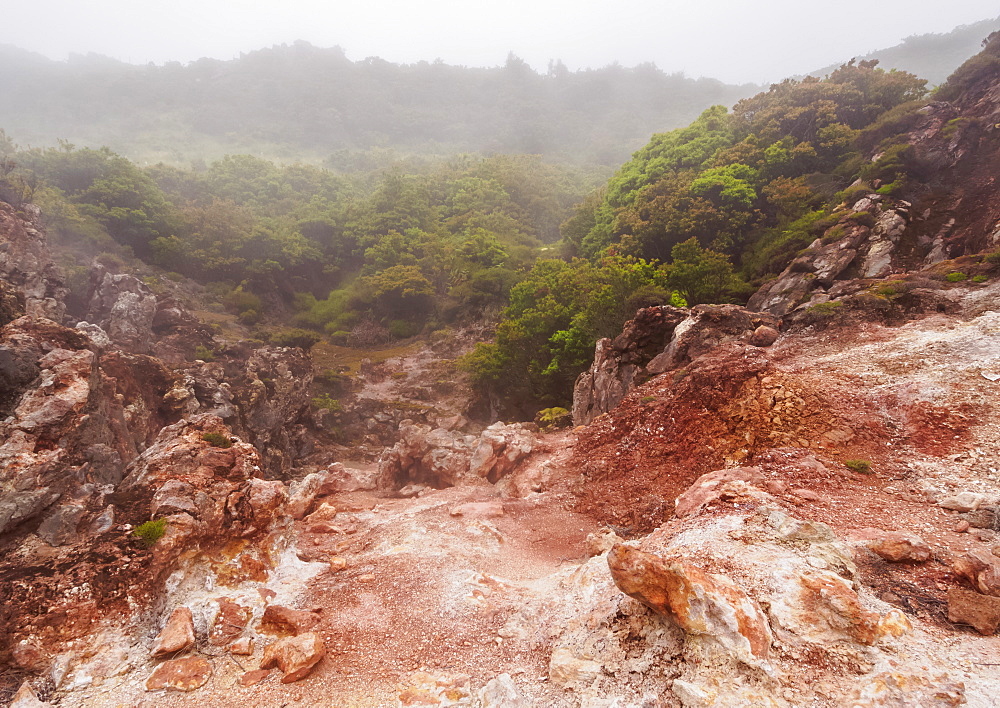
(756, 43)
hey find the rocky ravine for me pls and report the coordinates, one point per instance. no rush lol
(793, 507)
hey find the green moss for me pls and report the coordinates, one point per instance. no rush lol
(824, 309)
(204, 353)
(150, 532)
(859, 466)
(217, 440)
(325, 402)
(956, 277)
(980, 278)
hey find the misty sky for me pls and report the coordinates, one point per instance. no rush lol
(734, 40)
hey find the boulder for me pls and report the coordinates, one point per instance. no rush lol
(123, 307)
(187, 674)
(294, 656)
(981, 568)
(177, 634)
(709, 487)
(962, 502)
(229, 622)
(708, 605)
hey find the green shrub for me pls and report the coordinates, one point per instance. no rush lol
(979, 278)
(992, 257)
(340, 337)
(301, 338)
(217, 440)
(551, 418)
(859, 466)
(204, 353)
(249, 317)
(325, 402)
(150, 532)
(955, 277)
(403, 329)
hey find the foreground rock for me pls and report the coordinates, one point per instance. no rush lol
(177, 634)
(979, 611)
(187, 674)
(294, 656)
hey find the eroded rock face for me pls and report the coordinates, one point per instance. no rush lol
(26, 264)
(661, 339)
(124, 307)
(445, 458)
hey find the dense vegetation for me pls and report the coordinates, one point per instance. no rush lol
(303, 102)
(703, 214)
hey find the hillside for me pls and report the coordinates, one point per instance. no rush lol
(304, 102)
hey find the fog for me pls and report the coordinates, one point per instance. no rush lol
(732, 40)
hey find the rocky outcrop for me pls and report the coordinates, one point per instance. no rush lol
(124, 307)
(26, 264)
(445, 458)
(657, 340)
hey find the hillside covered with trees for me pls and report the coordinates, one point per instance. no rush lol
(303, 102)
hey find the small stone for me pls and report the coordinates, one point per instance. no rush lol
(501, 692)
(984, 517)
(894, 624)
(961, 526)
(294, 656)
(366, 578)
(897, 546)
(979, 611)
(185, 674)
(229, 622)
(807, 495)
(981, 569)
(601, 542)
(776, 486)
(252, 678)
(566, 669)
(691, 695)
(284, 620)
(177, 634)
(337, 564)
(764, 336)
(242, 646)
(966, 501)
(28, 656)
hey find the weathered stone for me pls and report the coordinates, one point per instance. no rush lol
(177, 634)
(763, 336)
(602, 541)
(568, 670)
(964, 501)
(252, 678)
(229, 622)
(984, 517)
(28, 655)
(979, 611)
(898, 546)
(123, 306)
(711, 606)
(501, 692)
(185, 674)
(337, 564)
(980, 568)
(338, 479)
(443, 690)
(294, 656)
(302, 494)
(708, 488)
(691, 695)
(242, 646)
(284, 620)
(820, 606)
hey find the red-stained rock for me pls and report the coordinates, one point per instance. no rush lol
(980, 568)
(708, 488)
(284, 620)
(177, 634)
(242, 646)
(979, 611)
(252, 678)
(185, 674)
(294, 656)
(822, 606)
(229, 622)
(896, 546)
(27, 698)
(763, 336)
(700, 603)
